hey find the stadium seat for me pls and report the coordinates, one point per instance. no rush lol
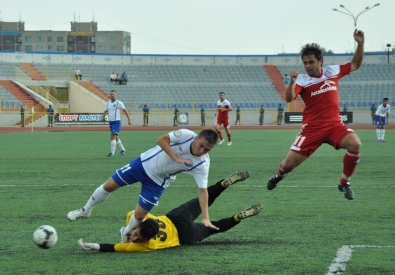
(340, 104)
(16, 106)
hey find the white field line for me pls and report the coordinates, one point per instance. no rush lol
(343, 256)
(239, 185)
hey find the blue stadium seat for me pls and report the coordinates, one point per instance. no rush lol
(364, 104)
(140, 105)
(241, 104)
(189, 105)
(359, 104)
(340, 104)
(163, 105)
(352, 104)
(184, 105)
(267, 105)
(273, 105)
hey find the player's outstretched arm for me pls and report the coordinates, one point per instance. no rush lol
(88, 246)
(356, 61)
(203, 201)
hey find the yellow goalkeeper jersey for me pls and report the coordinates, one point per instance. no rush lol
(166, 237)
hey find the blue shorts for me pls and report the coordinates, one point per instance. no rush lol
(134, 172)
(377, 121)
(115, 127)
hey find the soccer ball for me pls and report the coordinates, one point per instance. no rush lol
(45, 236)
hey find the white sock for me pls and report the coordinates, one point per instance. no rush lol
(119, 143)
(382, 133)
(98, 196)
(113, 145)
(132, 224)
(378, 133)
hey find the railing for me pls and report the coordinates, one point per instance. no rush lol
(34, 86)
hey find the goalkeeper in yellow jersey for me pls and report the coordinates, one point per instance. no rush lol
(177, 227)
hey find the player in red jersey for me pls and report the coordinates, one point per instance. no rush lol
(223, 108)
(321, 118)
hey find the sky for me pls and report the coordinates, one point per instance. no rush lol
(219, 27)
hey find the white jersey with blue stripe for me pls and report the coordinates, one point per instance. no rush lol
(162, 169)
(381, 110)
(113, 110)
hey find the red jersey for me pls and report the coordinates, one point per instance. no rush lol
(320, 94)
(222, 116)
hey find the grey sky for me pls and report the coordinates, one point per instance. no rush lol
(218, 26)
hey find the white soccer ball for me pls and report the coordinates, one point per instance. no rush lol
(45, 236)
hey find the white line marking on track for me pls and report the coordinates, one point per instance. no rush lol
(339, 263)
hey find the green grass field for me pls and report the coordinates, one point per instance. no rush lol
(305, 222)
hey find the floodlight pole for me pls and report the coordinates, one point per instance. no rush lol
(355, 18)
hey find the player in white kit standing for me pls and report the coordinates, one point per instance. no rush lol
(113, 108)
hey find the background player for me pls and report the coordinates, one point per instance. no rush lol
(321, 123)
(177, 227)
(113, 107)
(381, 119)
(223, 107)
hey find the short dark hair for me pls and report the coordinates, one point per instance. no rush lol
(210, 135)
(149, 228)
(310, 49)
(385, 98)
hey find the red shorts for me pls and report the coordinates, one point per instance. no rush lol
(313, 135)
(224, 121)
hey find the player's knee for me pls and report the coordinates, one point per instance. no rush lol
(355, 146)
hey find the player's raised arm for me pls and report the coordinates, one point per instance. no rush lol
(289, 92)
(356, 61)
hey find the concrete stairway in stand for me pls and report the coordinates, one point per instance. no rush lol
(22, 96)
(90, 86)
(32, 71)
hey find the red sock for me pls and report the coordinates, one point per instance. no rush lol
(229, 137)
(350, 161)
(220, 135)
(281, 172)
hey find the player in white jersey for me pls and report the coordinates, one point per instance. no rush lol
(381, 119)
(113, 110)
(178, 152)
